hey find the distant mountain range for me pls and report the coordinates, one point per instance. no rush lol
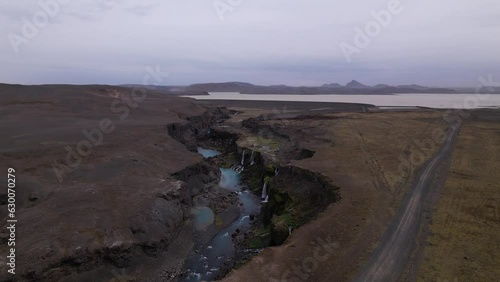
(353, 87)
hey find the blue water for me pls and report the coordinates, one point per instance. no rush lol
(206, 263)
(230, 179)
(203, 217)
(208, 153)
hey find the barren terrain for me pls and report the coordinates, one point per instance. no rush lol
(106, 181)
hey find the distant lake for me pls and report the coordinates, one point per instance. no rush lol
(396, 100)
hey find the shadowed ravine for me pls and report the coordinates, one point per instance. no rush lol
(208, 263)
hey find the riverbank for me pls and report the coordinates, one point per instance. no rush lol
(289, 196)
(214, 254)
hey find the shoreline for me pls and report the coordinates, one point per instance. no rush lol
(433, 101)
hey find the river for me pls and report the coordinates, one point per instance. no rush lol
(207, 263)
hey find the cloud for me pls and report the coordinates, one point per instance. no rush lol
(447, 42)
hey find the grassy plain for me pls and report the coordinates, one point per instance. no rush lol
(465, 241)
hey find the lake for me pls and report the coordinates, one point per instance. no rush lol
(467, 101)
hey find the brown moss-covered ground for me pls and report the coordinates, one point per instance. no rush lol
(464, 244)
(363, 154)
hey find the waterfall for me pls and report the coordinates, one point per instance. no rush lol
(266, 200)
(243, 157)
(264, 191)
(289, 230)
(276, 171)
(252, 159)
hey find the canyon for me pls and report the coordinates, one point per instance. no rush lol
(186, 190)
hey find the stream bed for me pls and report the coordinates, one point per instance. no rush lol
(209, 262)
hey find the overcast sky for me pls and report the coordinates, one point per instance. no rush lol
(295, 42)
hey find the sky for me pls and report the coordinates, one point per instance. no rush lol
(295, 42)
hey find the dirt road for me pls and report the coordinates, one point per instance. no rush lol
(390, 259)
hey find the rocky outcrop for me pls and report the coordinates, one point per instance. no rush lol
(198, 177)
(197, 127)
(155, 228)
(296, 196)
(114, 244)
(268, 126)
